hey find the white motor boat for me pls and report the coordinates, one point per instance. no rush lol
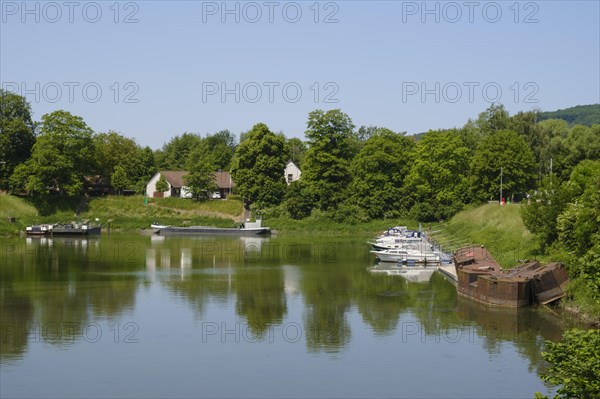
(400, 255)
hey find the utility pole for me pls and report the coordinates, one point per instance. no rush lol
(501, 185)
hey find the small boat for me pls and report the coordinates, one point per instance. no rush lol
(398, 237)
(75, 229)
(38, 229)
(246, 229)
(400, 255)
(68, 229)
(159, 226)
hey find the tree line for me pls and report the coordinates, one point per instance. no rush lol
(348, 174)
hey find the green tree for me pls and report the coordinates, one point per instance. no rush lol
(119, 179)
(113, 149)
(174, 154)
(217, 149)
(580, 220)
(147, 169)
(298, 201)
(574, 364)
(582, 143)
(60, 159)
(200, 178)
(493, 119)
(506, 150)
(543, 208)
(587, 115)
(162, 185)
(17, 134)
(546, 140)
(258, 166)
(296, 150)
(326, 169)
(379, 171)
(435, 184)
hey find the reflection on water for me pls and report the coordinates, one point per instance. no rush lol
(193, 296)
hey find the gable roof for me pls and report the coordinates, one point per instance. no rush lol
(175, 178)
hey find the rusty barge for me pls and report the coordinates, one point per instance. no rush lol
(482, 279)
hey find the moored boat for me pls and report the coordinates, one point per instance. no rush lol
(67, 229)
(246, 229)
(38, 229)
(399, 255)
(481, 278)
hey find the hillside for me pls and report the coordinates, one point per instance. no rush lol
(498, 228)
(579, 115)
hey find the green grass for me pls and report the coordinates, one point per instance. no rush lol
(18, 208)
(227, 207)
(126, 213)
(323, 225)
(131, 212)
(499, 228)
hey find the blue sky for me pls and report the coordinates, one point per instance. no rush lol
(155, 69)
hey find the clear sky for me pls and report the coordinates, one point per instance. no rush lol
(155, 69)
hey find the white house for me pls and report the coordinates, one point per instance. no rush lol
(292, 172)
(177, 186)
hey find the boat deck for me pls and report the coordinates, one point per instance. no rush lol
(482, 279)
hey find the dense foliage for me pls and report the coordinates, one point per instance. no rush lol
(17, 134)
(326, 171)
(60, 158)
(257, 167)
(586, 115)
(574, 364)
(565, 217)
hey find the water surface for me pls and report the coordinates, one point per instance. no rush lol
(145, 316)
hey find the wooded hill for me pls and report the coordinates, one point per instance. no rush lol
(586, 115)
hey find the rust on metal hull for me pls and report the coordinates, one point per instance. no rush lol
(481, 278)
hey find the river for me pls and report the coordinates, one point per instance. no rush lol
(129, 315)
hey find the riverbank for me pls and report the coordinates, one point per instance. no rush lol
(500, 229)
(130, 214)
(116, 213)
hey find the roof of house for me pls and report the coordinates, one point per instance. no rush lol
(175, 178)
(291, 162)
(223, 180)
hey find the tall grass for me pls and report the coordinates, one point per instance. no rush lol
(17, 208)
(499, 228)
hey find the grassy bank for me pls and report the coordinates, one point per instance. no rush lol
(322, 224)
(124, 213)
(499, 228)
(502, 231)
(21, 210)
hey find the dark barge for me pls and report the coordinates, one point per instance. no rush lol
(481, 278)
